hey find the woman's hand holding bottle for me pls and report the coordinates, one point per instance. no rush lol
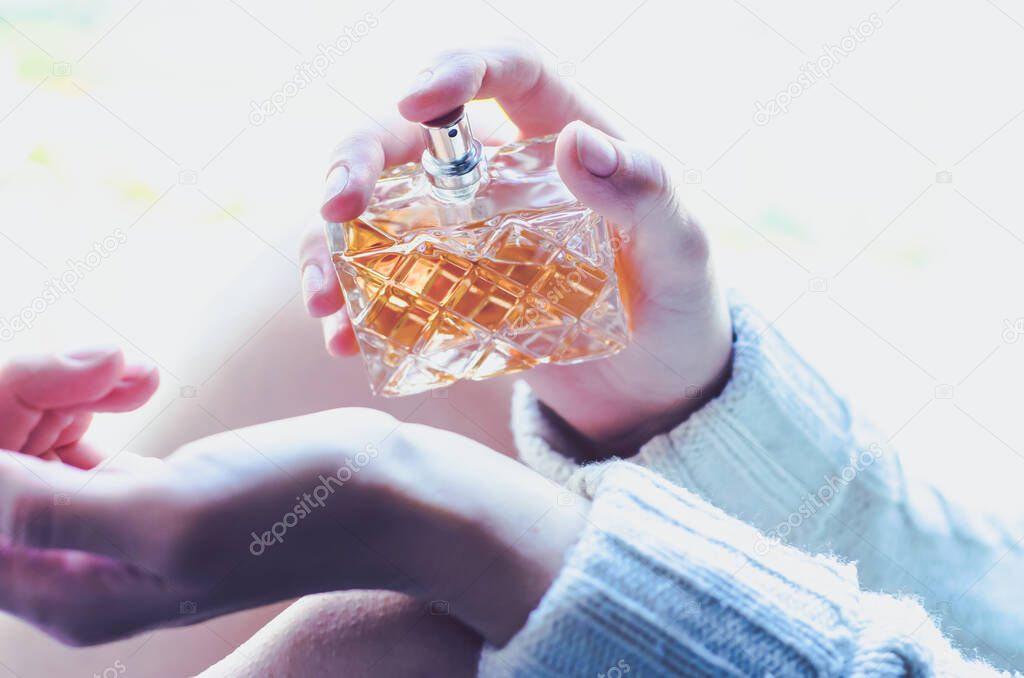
(679, 355)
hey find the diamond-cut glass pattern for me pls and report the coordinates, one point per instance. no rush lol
(522, 275)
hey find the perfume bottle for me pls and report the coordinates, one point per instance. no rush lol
(475, 263)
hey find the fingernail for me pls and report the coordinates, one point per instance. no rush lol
(337, 180)
(419, 83)
(93, 355)
(596, 152)
(312, 281)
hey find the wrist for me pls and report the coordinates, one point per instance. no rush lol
(634, 431)
(518, 556)
(678, 361)
(679, 358)
(479, 535)
(617, 423)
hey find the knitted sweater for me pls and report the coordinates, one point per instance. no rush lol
(826, 576)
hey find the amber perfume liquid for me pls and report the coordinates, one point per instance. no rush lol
(518, 275)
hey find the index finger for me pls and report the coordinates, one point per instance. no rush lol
(359, 159)
(536, 98)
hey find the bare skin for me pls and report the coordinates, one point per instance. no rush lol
(680, 325)
(679, 317)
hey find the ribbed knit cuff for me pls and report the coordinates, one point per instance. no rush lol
(662, 584)
(774, 438)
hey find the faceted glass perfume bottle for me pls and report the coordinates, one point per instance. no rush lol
(476, 263)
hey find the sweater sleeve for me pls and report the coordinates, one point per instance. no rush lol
(781, 451)
(663, 584)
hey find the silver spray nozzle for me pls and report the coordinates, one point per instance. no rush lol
(453, 159)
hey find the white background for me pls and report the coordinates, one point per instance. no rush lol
(895, 280)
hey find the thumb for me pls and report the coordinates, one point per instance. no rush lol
(631, 188)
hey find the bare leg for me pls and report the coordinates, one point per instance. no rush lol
(270, 363)
(355, 634)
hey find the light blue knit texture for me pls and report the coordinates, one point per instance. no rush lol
(780, 450)
(663, 584)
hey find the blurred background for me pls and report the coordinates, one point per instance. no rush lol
(858, 164)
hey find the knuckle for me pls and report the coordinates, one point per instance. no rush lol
(664, 193)
(644, 184)
(693, 245)
(655, 195)
(472, 68)
(360, 138)
(354, 146)
(449, 53)
(373, 420)
(405, 449)
(685, 235)
(645, 177)
(525, 51)
(373, 427)
(458, 54)
(529, 63)
(379, 418)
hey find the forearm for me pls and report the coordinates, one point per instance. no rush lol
(470, 547)
(481, 532)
